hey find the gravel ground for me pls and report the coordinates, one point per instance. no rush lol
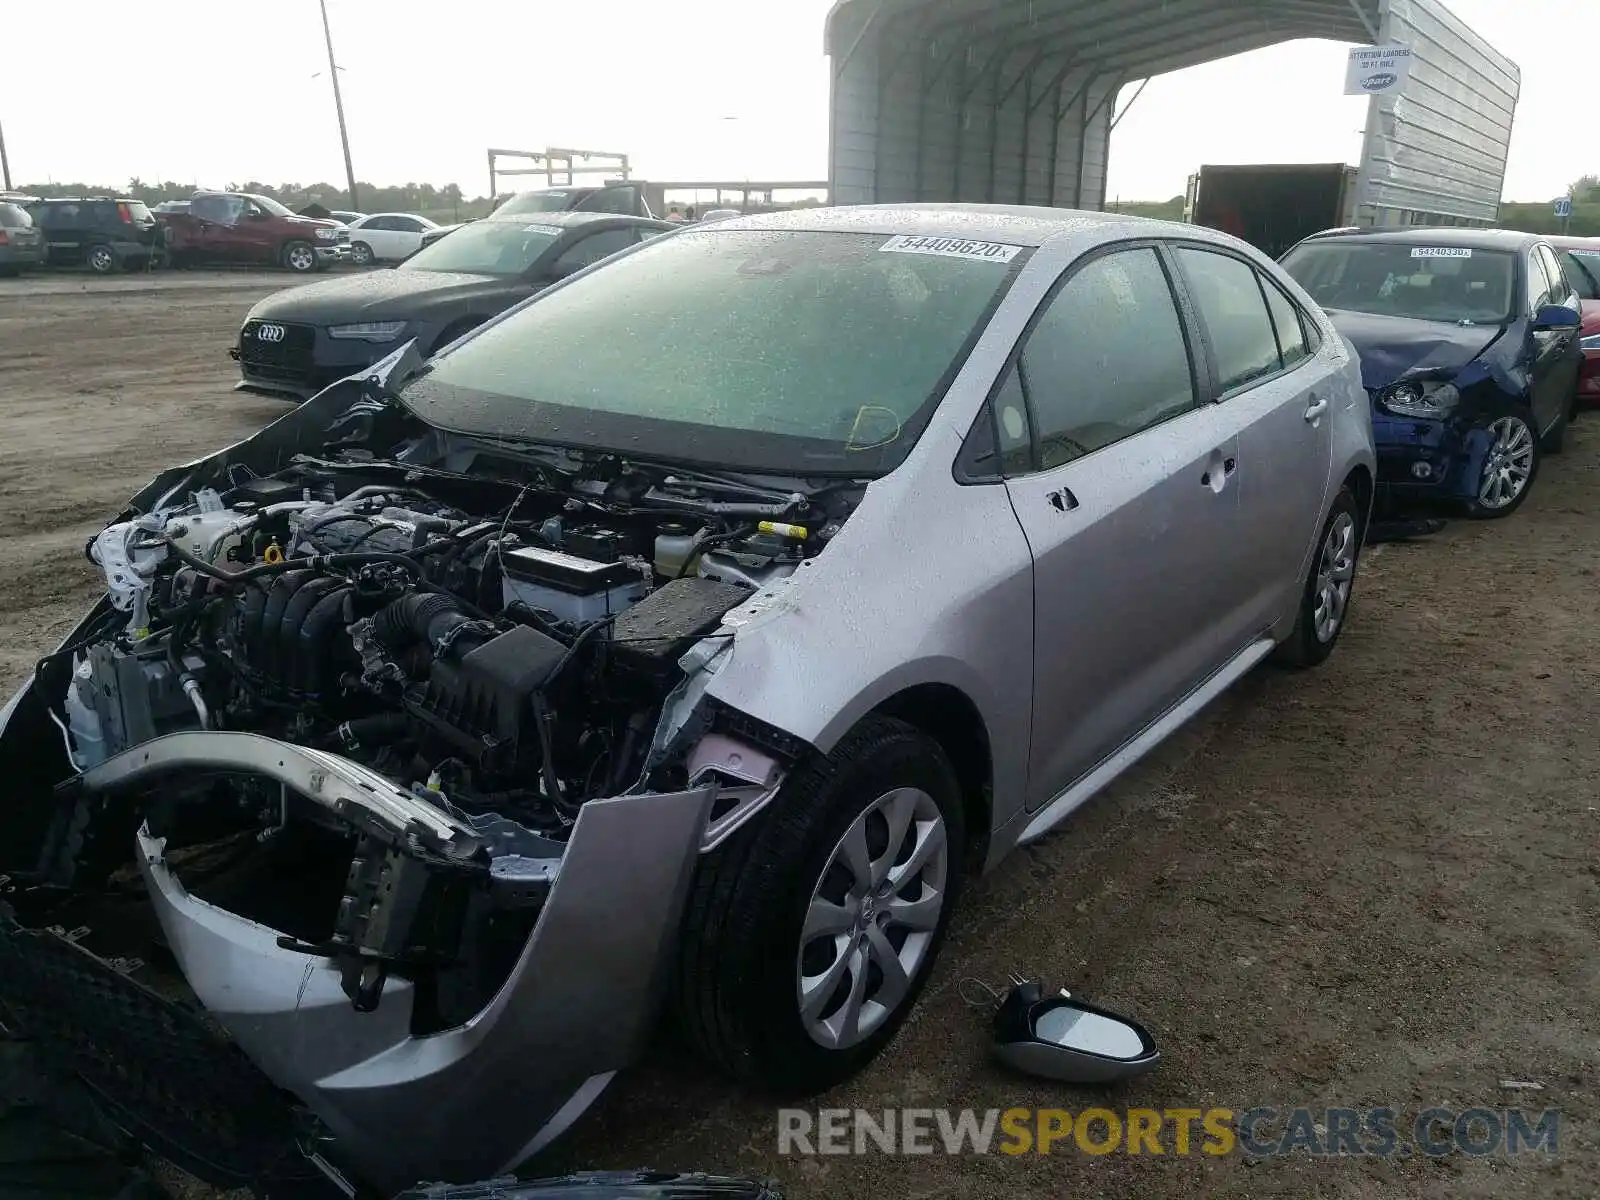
(1371, 885)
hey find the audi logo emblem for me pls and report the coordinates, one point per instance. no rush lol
(270, 333)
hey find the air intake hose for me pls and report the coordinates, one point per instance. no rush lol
(430, 617)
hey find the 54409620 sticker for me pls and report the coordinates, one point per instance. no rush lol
(1440, 252)
(951, 247)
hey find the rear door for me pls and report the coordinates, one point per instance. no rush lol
(1123, 483)
(1279, 398)
(406, 238)
(63, 230)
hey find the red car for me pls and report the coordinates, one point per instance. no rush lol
(1580, 257)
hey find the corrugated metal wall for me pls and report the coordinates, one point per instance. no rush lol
(1437, 151)
(924, 109)
(933, 119)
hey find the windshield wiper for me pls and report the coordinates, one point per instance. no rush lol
(678, 480)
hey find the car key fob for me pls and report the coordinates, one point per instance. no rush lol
(1058, 1037)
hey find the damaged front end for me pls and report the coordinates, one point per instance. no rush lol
(405, 767)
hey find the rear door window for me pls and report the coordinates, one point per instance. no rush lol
(1227, 291)
(1289, 324)
(14, 216)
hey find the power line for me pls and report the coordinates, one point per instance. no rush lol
(5, 163)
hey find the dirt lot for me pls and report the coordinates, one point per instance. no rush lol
(1374, 885)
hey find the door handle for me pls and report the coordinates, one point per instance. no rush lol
(1219, 472)
(1318, 406)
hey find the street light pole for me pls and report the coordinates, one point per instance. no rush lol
(338, 107)
(5, 163)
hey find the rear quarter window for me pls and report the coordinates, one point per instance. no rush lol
(14, 216)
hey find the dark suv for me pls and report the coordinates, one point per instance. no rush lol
(99, 232)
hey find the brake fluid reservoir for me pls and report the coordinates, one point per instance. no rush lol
(674, 546)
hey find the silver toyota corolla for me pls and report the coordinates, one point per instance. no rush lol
(687, 634)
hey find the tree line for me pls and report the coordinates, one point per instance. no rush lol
(425, 198)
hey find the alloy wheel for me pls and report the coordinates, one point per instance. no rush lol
(1336, 571)
(302, 258)
(101, 259)
(872, 917)
(1509, 465)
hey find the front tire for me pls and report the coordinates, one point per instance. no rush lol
(361, 254)
(300, 257)
(810, 933)
(1325, 599)
(1509, 469)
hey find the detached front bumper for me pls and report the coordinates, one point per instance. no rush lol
(327, 255)
(471, 1101)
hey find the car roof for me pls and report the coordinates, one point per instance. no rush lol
(574, 219)
(1015, 224)
(365, 216)
(1566, 242)
(1448, 236)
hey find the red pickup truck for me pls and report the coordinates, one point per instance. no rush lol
(237, 227)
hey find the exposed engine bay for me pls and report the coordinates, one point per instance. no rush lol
(498, 635)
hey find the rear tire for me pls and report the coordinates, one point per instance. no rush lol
(101, 259)
(1329, 587)
(299, 257)
(772, 1007)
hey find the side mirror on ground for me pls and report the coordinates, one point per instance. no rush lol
(1058, 1037)
(1555, 316)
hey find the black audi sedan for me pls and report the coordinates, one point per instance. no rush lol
(1469, 349)
(296, 342)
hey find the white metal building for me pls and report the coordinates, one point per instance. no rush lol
(1010, 101)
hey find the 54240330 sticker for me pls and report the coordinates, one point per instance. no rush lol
(1440, 252)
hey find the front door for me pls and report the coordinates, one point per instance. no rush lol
(1555, 353)
(1129, 507)
(1280, 399)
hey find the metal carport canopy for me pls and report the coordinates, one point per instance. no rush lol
(1009, 100)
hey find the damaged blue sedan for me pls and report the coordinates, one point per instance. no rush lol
(1469, 349)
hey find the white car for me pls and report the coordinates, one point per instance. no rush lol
(386, 237)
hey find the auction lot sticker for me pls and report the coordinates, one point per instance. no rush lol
(948, 247)
(1440, 252)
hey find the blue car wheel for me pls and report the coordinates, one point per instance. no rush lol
(1509, 468)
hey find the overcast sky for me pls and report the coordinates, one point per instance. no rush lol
(229, 90)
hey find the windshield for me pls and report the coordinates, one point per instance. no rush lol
(272, 206)
(1389, 279)
(13, 216)
(486, 248)
(791, 352)
(536, 202)
(1582, 268)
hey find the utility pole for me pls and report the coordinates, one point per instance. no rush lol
(338, 107)
(5, 163)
